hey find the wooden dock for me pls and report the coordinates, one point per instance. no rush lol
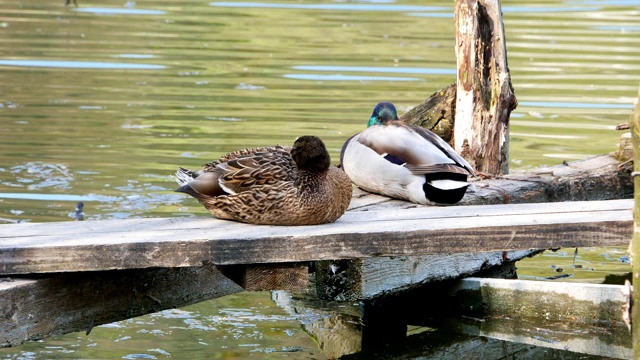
(63, 277)
(147, 243)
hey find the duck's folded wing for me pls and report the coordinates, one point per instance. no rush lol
(405, 144)
(444, 147)
(238, 154)
(261, 169)
(436, 168)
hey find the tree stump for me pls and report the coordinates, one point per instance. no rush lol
(485, 97)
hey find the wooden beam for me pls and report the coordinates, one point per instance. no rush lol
(585, 303)
(142, 243)
(32, 309)
(635, 242)
(484, 96)
(283, 276)
(368, 278)
(263, 277)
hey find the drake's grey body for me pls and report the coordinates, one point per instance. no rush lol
(406, 162)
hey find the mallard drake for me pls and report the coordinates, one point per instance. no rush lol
(403, 161)
(275, 185)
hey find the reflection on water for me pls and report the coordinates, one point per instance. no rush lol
(77, 64)
(329, 6)
(246, 325)
(116, 11)
(373, 69)
(340, 77)
(100, 103)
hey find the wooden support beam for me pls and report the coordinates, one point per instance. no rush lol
(635, 242)
(484, 94)
(368, 278)
(591, 304)
(32, 309)
(263, 277)
(142, 243)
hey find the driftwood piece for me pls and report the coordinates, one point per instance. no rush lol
(484, 94)
(635, 242)
(436, 113)
(32, 309)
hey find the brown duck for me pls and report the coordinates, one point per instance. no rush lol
(275, 185)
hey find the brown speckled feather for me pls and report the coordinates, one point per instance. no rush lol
(273, 185)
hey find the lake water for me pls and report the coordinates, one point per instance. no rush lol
(100, 103)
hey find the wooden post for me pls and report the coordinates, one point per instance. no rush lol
(635, 242)
(485, 97)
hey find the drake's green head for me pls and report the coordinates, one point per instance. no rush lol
(382, 113)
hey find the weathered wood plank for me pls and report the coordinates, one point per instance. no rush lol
(140, 243)
(349, 280)
(31, 309)
(592, 304)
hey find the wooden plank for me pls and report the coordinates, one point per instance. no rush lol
(368, 278)
(35, 308)
(141, 243)
(593, 304)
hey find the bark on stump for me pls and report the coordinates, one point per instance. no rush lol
(485, 96)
